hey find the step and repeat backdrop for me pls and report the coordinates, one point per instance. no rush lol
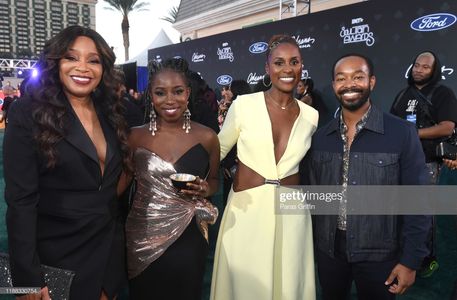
(390, 32)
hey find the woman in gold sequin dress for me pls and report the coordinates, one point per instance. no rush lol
(166, 228)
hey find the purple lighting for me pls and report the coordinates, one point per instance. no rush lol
(34, 73)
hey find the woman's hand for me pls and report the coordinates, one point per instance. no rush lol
(198, 188)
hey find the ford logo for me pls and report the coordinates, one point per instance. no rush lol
(433, 22)
(224, 79)
(258, 47)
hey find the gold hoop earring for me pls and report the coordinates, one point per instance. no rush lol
(263, 81)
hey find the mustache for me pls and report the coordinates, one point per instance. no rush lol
(350, 90)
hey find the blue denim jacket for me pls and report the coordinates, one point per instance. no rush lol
(386, 152)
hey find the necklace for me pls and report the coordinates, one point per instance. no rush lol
(282, 107)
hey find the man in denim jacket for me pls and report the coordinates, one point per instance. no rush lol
(364, 146)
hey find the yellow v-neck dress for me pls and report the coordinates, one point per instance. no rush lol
(261, 255)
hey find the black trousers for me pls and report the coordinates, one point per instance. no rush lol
(337, 274)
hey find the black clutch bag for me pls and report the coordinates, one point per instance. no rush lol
(57, 280)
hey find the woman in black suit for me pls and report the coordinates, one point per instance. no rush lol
(64, 151)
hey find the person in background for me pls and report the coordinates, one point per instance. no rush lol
(201, 90)
(132, 113)
(229, 94)
(167, 228)
(8, 89)
(261, 254)
(5, 107)
(364, 146)
(63, 154)
(229, 163)
(136, 96)
(305, 92)
(432, 108)
(224, 104)
(199, 107)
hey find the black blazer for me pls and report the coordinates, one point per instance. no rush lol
(66, 216)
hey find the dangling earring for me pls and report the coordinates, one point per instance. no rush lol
(152, 120)
(186, 124)
(263, 81)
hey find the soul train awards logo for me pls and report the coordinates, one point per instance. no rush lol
(258, 47)
(358, 33)
(225, 52)
(304, 42)
(253, 78)
(197, 57)
(224, 79)
(445, 71)
(433, 22)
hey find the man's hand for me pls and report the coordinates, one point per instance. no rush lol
(451, 164)
(405, 278)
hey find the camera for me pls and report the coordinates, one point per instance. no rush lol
(448, 149)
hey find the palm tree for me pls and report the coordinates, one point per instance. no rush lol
(125, 7)
(172, 15)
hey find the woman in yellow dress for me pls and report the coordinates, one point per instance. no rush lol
(261, 254)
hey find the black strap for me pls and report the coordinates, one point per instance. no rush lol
(425, 102)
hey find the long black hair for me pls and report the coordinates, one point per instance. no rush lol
(50, 111)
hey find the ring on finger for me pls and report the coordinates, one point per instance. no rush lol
(201, 188)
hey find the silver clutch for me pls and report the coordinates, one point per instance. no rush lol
(57, 280)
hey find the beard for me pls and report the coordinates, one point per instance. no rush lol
(355, 104)
(422, 81)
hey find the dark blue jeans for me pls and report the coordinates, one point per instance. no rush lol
(337, 274)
